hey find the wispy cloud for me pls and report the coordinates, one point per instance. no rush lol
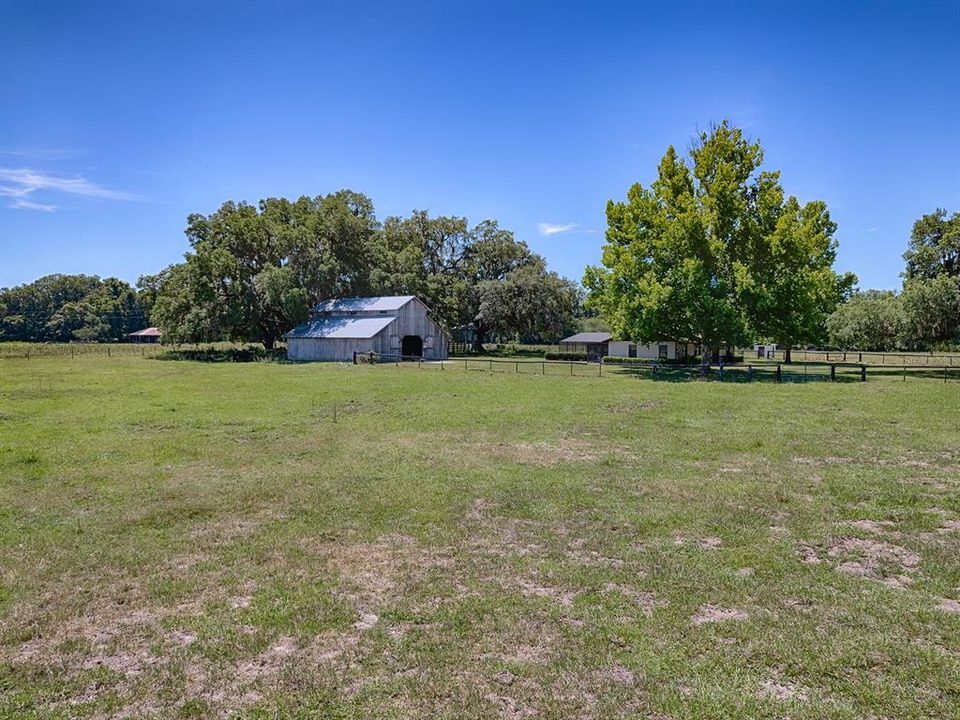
(546, 229)
(41, 153)
(21, 204)
(871, 229)
(20, 183)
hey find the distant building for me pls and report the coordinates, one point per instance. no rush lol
(147, 335)
(594, 344)
(395, 325)
(662, 350)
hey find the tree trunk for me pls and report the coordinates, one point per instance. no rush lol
(479, 334)
(268, 342)
(707, 356)
(786, 354)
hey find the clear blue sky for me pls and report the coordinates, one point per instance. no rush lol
(119, 119)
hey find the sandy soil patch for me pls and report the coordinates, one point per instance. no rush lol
(714, 614)
(949, 606)
(780, 689)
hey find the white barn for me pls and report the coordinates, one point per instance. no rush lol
(394, 325)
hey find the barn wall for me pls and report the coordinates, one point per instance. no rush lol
(412, 319)
(335, 349)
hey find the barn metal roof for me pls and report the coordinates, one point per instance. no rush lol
(385, 302)
(588, 337)
(146, 332)
(333, 326)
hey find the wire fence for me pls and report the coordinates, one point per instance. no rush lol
(739, 372)
(30, 351)
(863, 357)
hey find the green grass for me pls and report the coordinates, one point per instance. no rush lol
(278, 540)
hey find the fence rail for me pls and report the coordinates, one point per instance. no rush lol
(738, 372)
(864, 357)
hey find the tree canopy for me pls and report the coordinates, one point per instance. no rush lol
(60, 308)
(934, 247)
(254, 272)
(712, 253)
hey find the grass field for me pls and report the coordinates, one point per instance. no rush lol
(309, 541)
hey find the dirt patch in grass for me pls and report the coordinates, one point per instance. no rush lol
(780, 689)
(949, 606)
(714, 614)
(876, 560)
(548, 454)
(646, 601)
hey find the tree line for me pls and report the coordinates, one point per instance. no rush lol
(255, 272)
(925, 314)
(62, 308)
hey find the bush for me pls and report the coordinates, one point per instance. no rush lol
(251, 353)
(565, 356)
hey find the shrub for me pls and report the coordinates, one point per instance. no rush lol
(251, 353)
(565, 356)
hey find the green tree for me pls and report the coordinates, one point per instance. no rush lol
(931, 311)
(712, 253)
(678, 251)
(934, 247)
(790, 288)
(529, 303)
(870, 320)
(253, 272)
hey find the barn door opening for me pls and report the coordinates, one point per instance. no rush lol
(411, 346)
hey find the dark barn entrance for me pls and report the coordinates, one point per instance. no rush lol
(411, 346)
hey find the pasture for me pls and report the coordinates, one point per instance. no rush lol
(267, 540)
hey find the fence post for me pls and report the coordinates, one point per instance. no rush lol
(944, 373)
(844, 355)
(749, 373)
(543, 368)
(863, 373)
(571, 367)
(108, 352)
(721, 372)
(354, 357)
(904, 372)
(779, 373)
(654, 373)
(491, 366)
(833, 373)
(517, 366)
(861, 358)
(600, 369)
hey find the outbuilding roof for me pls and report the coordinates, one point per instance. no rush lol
(146, 332)
(384, 302)
(588, 337)
(334, 326)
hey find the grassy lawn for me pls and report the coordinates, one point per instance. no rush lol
(271, 540)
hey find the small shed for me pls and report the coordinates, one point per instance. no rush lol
(594, 344)
(147, 335)
(765, 350)
(390, 325)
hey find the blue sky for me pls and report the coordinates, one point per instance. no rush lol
(119, 119)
